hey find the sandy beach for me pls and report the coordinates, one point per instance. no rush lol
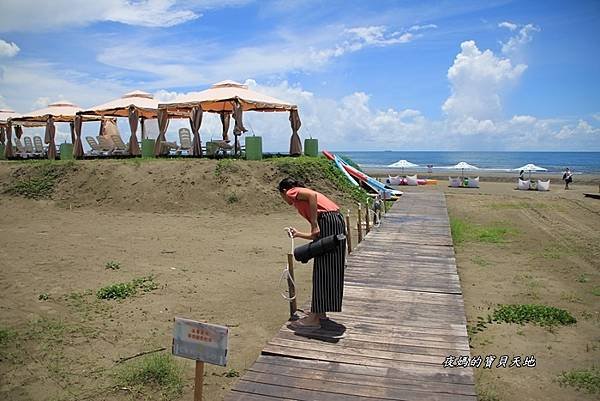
(218, 259)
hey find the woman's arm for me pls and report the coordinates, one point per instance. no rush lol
(311, 198)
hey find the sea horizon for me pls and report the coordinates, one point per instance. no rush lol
(580, 162)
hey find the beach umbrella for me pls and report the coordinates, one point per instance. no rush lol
(403, 164)
(531, 167)
(464, 166)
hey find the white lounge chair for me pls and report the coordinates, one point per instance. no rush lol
(185, 141)
(523, 185)
(96, 150)
(106, 144)
(120, 148)
(20, 149)
(38, 145)
(543, 185)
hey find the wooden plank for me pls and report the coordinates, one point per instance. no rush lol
(403, 313)
(351, 389)
(366, 377)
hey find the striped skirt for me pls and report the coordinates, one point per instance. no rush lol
(328, 271)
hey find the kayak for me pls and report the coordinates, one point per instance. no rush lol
(385, 192)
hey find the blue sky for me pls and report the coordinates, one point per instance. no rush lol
(415, 75)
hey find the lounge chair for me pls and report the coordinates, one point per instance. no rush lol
(473, 182)
(28, 145)
(21, 151)
(96, 150)
(120, 147)
(543, 185)
(38, 145)
(185, 141)
(412, 180)
(523, 185)
(454, 182)
(106, 144)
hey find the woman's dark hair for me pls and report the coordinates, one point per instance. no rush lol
(288, 183)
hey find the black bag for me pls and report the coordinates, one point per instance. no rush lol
(318, 247)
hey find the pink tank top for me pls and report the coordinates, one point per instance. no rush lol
(324, 204)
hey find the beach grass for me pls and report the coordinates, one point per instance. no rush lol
(125, 290)
(160, 373)
(542, 315)
(463, 231)
(38, 182)
(587, 380)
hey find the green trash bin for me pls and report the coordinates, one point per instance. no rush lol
(148, 147)
(254, 148)
(2, 147)
(311, 147)
(66, 151)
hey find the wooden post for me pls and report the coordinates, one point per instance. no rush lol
(291, 288)
(348, 232)
(359, 225)
(368, 226)
(199, 381)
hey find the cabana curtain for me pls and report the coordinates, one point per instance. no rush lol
(134, 146)
(49, 138)
(195, 122)
(163, 124)
(77, 145)
(8, 151)
(225, 120)
(295, 144)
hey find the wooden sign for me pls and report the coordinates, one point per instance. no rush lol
(200, 341)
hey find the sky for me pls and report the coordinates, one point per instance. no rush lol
(384, 75)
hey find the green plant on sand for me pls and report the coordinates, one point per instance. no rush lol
(38, 181)
(125, 290)
(463, 231)
(587, 380)
(156, 372)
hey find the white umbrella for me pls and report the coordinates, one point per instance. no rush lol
(403, 164)
(531, 167)
(464, 166)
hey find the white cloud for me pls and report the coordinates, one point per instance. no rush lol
(28, 85)
(524, 36)
(596, 116)
(8, 49)
(508, 25)
(178, 65)
(523, 120)
(422, 27)
(35, 15)
(41, 102)
(477, 80)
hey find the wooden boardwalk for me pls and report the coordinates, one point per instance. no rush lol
(402, 315)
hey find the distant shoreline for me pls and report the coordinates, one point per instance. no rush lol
(494, 176)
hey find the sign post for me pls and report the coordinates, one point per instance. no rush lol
(201, 342)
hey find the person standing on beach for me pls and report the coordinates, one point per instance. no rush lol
(328, 271)
(567, 177)
(522, 175)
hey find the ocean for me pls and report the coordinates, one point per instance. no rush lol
(555, 162)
